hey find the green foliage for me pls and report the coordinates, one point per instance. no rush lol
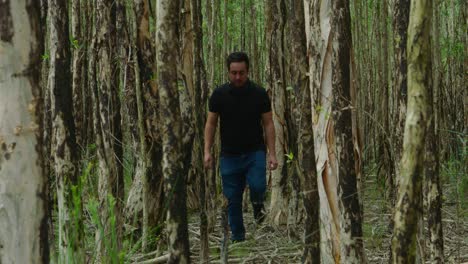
(45, 56)
(74, 43)
(452, 48)
(289, 157)
(454, 174)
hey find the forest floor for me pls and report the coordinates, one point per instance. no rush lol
(265, 244)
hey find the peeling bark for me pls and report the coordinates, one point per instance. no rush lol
(305, 141)
(318, 27)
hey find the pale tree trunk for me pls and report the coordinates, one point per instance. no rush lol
(432, 175)
(276, 86)
(409, 204)
(306, 156)
(107, 125)
(352, 250)
(64, 149)
(317, 18)
(23, 185)
(171, 130)
(336, 135)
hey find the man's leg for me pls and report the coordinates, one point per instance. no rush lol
(256, 178)
(233, 179)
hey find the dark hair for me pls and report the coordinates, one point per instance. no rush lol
(237, 56)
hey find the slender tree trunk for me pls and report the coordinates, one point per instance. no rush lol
(77, 44)
(199, 97)
(171, 129)
(255, 68)
(277, 88)
(23, 188)
(305, 140)
(432, 175)
(385, 154)
(296, 70)
(212, 187)
(352, 250)
(107, 126)
(64, 149)
(146, 197)
(318, 29)
(400, 27)
(409, 204)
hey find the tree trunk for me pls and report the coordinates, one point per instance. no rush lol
(318, 28)
(107, 126)
(400, 27)
(352, 250)
(171, 130)
(277, 89)
(385, 155)
(409, 204)
(199, 96)
(77, 44)
(432, 175)
(146, 197)
(305, 140)
(296, 82)
(23, 188)
(64, 149)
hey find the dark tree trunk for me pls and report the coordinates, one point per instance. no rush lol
(64, 149)
(306, 155)
(352, 250)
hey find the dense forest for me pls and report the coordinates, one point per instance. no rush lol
(103, 105)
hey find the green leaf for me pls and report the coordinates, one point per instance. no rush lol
(45, 57)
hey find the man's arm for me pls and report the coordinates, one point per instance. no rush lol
(269, 126)
(210, 129)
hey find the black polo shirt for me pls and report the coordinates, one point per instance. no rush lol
(240, 110)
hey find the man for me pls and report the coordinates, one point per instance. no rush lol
(242, 107)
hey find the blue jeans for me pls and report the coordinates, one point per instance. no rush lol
(236, 170)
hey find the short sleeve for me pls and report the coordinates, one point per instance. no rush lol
(214, 104)
(265, 106)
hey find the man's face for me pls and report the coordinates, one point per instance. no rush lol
(238, 73)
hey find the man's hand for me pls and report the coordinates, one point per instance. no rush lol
(208, 161)
(272, 161)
